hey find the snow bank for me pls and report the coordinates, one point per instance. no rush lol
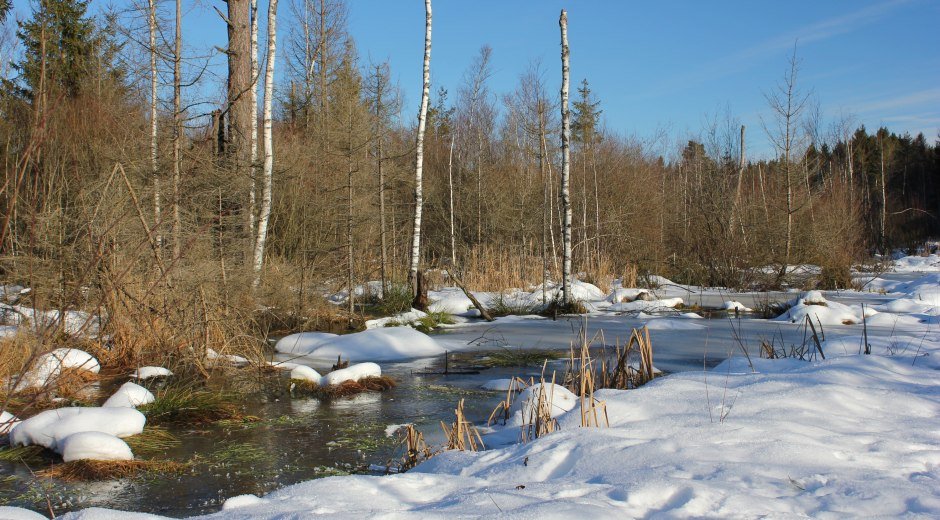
(305, 373)
(451, 300)
(925, 289)
(351, 373)
(7, 422)
(94, 446)
(917, 264)
(623, 295)
(50, 427)
(50, 365)
(149, 372)
(302, 343)
(130, 395)
(18, 513)
(820, 310)
(241, 501)
(384, 344)
(582, 291)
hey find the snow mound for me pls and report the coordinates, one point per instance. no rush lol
(732, 305)
(351, 373)
(559, 398)
(7, 422)
(50, 365)
(581, 291)
(646, 306)
(302, 343)
(18, 513)
(130, 395)
(821, 310)
(94, 446)
(451, 300)
(241, 501)
(49, 428)
(624, 295)
(384, 344)
(925, 289)
(148, 372)
(305, 373)
(404, 318)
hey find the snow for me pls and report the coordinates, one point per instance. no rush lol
(302, 343)
(451, 300)
(241, 501)
(18, 513)
(559, 399)
(305, 373)
(130, 395)
(351, 373)
(623, 295)
(7, 422)
(646, 306)
(149, 372)
(50, 427)
(925, 289)
(732, 305)
(94, 446)
(579, 291)
(214, 357)
(917, 264)
(404, 318)
(384, 344)
(50, 365)
(820, 310)
(673, 324)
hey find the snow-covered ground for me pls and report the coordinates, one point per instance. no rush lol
(724, 435)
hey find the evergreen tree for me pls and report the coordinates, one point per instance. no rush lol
(58, 47)
(586, 116)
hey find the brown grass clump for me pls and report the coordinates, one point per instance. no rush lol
(345, 389)
(91, 470)
(416, 449)
(462, 434)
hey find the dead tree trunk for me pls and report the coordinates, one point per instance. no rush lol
(240, 83)
(177, 129)
(154, 162)
(419, 154)
(565, 162)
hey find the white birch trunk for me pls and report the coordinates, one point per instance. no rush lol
(419, 154)
(265, 214)
(450, 190)
(565, 162)
(154, 163)
(253, 99)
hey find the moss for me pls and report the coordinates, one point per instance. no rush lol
(520, 358)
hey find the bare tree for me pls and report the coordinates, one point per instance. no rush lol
(253, 97)
(268, 173)
(419, 154)
(565, 162)
(787, 103)
(177, 128)
(154, 162)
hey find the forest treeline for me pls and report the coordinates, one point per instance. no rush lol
(101, 205)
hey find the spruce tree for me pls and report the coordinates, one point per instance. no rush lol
(58, 43)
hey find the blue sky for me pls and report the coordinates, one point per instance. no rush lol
(667, 65)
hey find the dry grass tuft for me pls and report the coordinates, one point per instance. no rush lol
(92, 470)
(462, 434)
(416, 449)
(345, 389)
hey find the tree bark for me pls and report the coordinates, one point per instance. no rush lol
(268, 173)
(239, 86)
(450, 191)
(154, 162)
(419, 154)
(565, 162)
(177, 129)
(253, 100)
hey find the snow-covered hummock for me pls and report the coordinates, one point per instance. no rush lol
(302, 343)
(214, 357)
(384, 344)
(305, 373)
(50, 365)
(559, 399)
(148, 372)
(404, 318)
(130, 395)
(7, 422)
(50, 427)
(241, 501)
(646, 306)
(451, 300)
(732, 305)
(623, 295)
(580, 291)
(94, 446)
(351, 373)
(821, 310)
(917, 264)
(925, 289)
(18, 513)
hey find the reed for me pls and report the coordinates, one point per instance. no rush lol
(462, 434)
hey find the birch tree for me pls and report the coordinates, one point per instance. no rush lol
(154, 163)
(268, 172)
(419, 154)
(565, 163)
(177, 128)
(253, 100)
